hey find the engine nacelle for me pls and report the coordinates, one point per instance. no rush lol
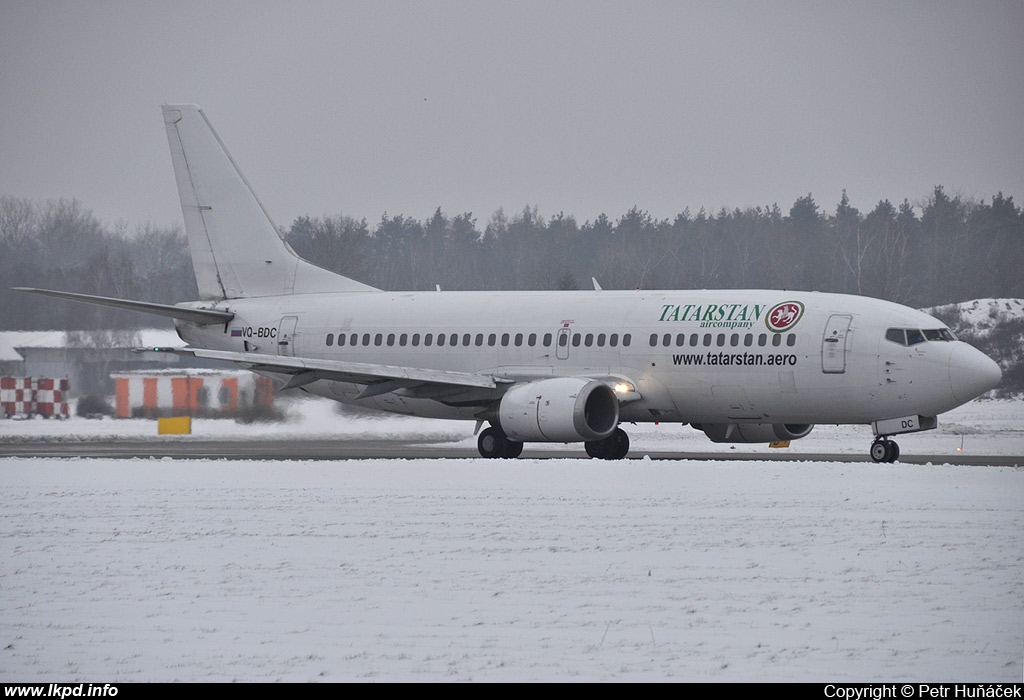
(561, 409)
(754, 432)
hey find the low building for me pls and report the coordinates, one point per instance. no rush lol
(196, 392)
(88, 358)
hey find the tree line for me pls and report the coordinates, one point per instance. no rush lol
(945, 248)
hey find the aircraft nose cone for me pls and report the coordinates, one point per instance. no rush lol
(971, 372)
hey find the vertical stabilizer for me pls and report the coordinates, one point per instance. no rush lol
(236, 249)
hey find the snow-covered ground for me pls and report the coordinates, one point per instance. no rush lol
(521, 570)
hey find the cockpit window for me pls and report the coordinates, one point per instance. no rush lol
(913, 336)
(896, 335)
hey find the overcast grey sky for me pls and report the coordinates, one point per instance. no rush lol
(363, 108)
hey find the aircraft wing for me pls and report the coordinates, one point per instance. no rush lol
(379, 379)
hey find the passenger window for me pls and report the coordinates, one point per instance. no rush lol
(366, 338)
(330, 339)
(391, 339)
(681, 339)
(748, 340)
(428, 339)
(654, 339)
(519, 339)
(707, 340)
(721, 339)
(776, 340)
(694, 339)
(466, 338)
(378, 339)
(415, 339)
(576, 337)
(626, 340)
(547, 340)
(734, 339)
(403, 339)
(440, 340)
(341, 339)
(563, 340)
(589, 339)
(613, 339)
(762, 340)
(532, 340)
(504, 340)
(479, 339)
(791, 339)
(600, 340)
(492, 339)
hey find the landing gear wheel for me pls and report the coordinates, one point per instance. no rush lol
(878, 451)
(885, 450)
(615, 446)
(493, 444)
(490, 443)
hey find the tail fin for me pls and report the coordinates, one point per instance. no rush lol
(236, 249)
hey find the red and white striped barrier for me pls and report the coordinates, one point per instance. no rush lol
(16, 397)
(207, 393)
(51, 397)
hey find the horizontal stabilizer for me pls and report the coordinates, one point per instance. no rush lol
(200, 316)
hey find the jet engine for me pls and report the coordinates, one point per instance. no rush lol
(754, 432)
(561, 409)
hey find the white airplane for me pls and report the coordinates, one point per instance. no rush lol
(559, 366)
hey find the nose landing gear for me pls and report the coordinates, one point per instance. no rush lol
(884, 450)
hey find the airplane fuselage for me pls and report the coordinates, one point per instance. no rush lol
(704, 356)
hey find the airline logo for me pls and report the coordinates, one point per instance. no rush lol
(784, 316)
(713, 315)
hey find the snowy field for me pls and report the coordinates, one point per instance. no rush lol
(521, 570)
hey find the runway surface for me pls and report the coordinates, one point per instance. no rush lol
(356, 449)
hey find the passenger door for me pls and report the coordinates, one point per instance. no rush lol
(834, 342)
(286, 336)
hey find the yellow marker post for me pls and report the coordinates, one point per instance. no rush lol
(179, 425)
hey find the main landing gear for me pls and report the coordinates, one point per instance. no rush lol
(494, 444)
(615, 446)
(884, 450)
